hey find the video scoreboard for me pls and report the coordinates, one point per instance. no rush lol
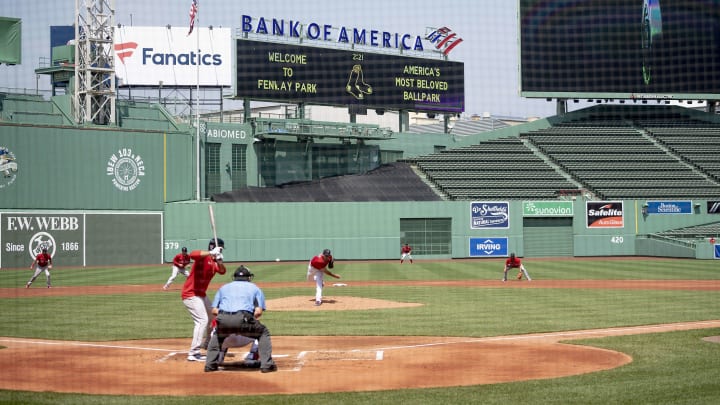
(619, 48)
(325, 76)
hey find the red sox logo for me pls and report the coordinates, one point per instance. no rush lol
(125, 50)
(39, 241)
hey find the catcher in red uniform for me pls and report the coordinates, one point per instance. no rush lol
(319, 266)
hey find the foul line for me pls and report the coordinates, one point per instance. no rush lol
(576, 334)
(95, 345)
(302, 357)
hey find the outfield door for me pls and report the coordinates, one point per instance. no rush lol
(548, 237)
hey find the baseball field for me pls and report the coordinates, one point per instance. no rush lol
(630, 330)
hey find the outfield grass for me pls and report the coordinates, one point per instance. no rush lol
(668, 368)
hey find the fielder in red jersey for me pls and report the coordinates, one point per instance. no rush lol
(42, 263)
(515, 263)
(405, 253)
(180, 263)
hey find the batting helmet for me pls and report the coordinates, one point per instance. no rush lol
(220, 242)
(242, 273)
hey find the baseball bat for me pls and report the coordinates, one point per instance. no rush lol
(212, 223)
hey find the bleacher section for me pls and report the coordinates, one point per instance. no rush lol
(34, 109)
(696, 143)
(30, 108)
(498, 169)
(694, 232)
(619, 161)
(612, 153)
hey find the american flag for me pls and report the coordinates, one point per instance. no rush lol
(193, 13)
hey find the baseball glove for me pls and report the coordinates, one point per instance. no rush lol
(331, 264)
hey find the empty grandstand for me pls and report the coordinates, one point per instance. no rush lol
(607, 154)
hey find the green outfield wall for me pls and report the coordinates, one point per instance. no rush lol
(354, 231)
(374, 230)
(95, 168)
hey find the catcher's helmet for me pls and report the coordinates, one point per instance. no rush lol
(242, 273)
(326, 252)
(220, 242)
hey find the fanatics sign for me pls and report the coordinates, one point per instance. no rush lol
(153, 56)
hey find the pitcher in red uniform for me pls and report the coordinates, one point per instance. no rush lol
(319, 266)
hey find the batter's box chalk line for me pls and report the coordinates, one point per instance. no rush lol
(337, 355)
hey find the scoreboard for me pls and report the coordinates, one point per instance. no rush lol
(622, 49)
(295, 73)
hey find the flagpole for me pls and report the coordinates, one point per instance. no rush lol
(197, 104)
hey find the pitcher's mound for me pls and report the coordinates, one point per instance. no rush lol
(333, 303)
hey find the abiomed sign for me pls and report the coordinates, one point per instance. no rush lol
(547, 208)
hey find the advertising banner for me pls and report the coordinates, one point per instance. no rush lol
(604, 214)
(153, 56)
(669, 207)
(713, 207)
(547, 209)
(490, 247)
(24, 235)
(485, 215)
(76, 239)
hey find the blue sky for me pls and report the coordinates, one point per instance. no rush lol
(489, 29)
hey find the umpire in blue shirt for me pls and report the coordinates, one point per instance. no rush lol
(238, 305)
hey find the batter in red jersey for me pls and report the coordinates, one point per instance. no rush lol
(194, 293)
(319, 266)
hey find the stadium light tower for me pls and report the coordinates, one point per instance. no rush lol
(94, 95)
